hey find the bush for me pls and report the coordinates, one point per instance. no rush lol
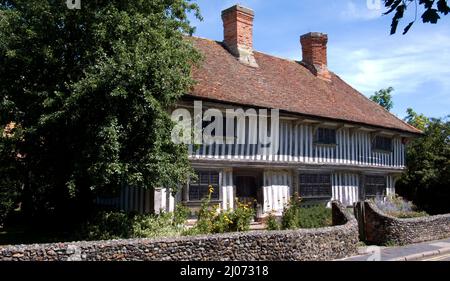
(295, 216)
(114, 225)
(191, 231)
(315, 217)
(108, 225)
(222, 223)
(10, 183)
(291, 213)
(396, 206)
(272, 223)
(241, 217)
(403, 215)
(7, 198)
(205, 215)
(152, 226)
(181, 214)
(427, 179)
(211, 220)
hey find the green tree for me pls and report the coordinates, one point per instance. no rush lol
(90, 90)
(427, 178)
(10, 183)
(419, 121)
(431, 10)
(384, 98)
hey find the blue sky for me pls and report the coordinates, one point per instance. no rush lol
(360, 49)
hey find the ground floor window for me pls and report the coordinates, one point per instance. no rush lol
(315, 185)
(199, 188)
(375, 186)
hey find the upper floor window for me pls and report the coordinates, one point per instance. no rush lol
(325, 136)
(315, 185)
(375, 186)
(382, 143)
(199, 188)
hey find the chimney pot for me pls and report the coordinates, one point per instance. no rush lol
(314, 54)
(238, 33)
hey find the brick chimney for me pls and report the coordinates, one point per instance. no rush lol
(238, 33)
(314, 54)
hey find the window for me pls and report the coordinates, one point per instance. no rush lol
(375, 186)
(315, 185)
(325, 136)
(382, 143)
(199, 188)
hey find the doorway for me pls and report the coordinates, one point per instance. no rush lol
(246, 189)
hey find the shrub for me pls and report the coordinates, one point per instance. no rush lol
(191, 231)
(291, 213)
(405, 215)
(181, 214)
(205, 215)
(295, 216)
(108, 225)
(211, 220)
(272, 223)
(152, 226)
(315, 217)
(10, 183)
(222, 223)
(114, 225)
(6, 203)
(241, 217)
(396, 206)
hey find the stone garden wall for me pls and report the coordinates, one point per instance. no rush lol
(380, 228)
(305, 244)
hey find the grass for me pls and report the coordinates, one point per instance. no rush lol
(390, 243)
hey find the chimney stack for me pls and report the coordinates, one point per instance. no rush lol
(238, 33)
(314, 54)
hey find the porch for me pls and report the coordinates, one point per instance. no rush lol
(267, 191)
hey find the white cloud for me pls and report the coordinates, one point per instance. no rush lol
(405, 67)
(417, 67)
(356, 12)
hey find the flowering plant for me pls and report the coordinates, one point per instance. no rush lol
(214, 220)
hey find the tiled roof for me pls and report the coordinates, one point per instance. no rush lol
(286, 85)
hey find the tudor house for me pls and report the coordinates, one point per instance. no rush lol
(334, 143)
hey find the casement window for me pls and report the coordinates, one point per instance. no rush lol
(315, 185)
(325, 136)
(199, 188)
(382, 143)
(375, 186)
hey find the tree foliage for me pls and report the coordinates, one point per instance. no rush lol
(427, 178)
(384, 98)
(10, 183)
(89, 90)
(431, 11)
(419, 121)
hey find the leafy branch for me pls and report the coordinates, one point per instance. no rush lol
(432, 11)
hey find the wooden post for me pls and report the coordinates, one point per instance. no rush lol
(358, 209)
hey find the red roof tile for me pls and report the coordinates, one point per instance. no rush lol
(286, 85)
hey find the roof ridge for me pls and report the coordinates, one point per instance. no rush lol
(256, 51)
